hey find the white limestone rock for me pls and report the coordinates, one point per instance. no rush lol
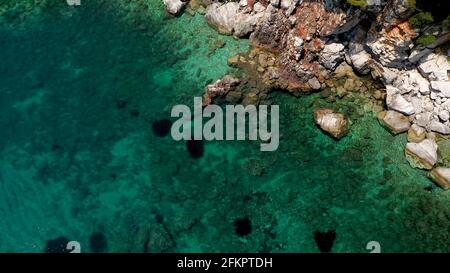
(228, 19)
(395, 101)
(438, 127)
(434, 67)
(357, 55)
(394, 121)
(331, 55)
(222, 17)
(441, 86)
(389, 75)
(258, 8)
(423, 119)
(360, 61)
(285, 4)
(422, 155)
(441, 176)
(246, 24)
(444, 115)
(412, 81)
(174, 6)
(391, 46)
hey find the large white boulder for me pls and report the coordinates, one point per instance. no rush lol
(441, 86)
(434, 67)
(222, 17)
(441, 176)
(412, 81)
(395, 101)
(438, 127)
(422, 155)
(394, 121)
(229, 19)
(174, 6)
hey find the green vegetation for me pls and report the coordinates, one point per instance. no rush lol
(412, 3)
(357, 3)
(426, 40)
(446, 22)
(353, 3)
(421, 19)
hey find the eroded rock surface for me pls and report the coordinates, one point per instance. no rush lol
(422, 155)
(441, 176)
(335, 124)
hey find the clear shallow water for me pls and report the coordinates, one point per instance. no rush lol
(80, 89)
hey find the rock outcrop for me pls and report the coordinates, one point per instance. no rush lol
(416, 133)
(331, 55)
(220, 89)
(335, 124)
(441, 176)
(174, 6)
(422, 155)
(312, 43)
(394, 121)
(232, 18)
(395, 101)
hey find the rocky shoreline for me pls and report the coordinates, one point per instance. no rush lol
(304, 46)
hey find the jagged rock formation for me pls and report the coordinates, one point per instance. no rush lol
(312, 41)
(233, 18)
(394, 121)
(423, 154)
(221, 89)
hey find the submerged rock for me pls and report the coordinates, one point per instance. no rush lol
(394, 121)
(336, 124)
(220, 88)
(441, 176)
(422, 155)
(174, 6)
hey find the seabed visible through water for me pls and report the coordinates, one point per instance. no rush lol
(81, 160)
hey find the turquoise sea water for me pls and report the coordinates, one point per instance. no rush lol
(80, 90)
